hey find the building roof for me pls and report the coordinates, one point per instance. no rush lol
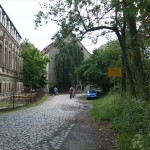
(50, 46)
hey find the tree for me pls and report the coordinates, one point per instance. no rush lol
(94, 69)
(135, 45)
(85, 16)
(34, 64)
(69, 58)
(91, 16)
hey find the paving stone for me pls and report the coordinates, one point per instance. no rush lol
(34, 128)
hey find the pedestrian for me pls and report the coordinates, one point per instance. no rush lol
(51, 91)
(71, 91)
(55, 91)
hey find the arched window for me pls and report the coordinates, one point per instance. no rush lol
(12, 30)
(6, 55)
(9, 59)
(0, 87)
(9, 26)
(4, 21)
(1, 57)
(1, 14)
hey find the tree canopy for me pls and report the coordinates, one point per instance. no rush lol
(34, 66)
(67, 61)
(123, 17)
(94, 70)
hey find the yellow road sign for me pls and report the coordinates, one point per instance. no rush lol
(114, 72)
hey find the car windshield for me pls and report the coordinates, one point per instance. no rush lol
(92, 91)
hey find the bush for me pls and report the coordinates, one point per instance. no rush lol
(130, 120)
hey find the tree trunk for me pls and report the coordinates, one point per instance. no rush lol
(136, 55)
(123, 80)
(126, 63)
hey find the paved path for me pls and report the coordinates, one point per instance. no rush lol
(44, 127)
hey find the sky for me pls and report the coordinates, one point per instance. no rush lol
(22, 14)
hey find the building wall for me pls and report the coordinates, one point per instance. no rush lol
(52, 66)
(84, 50)
(10, 62)
(51, 51)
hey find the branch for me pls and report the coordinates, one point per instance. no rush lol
(80, 15)
(100, 28)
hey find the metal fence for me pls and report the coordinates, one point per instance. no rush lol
(14, 100)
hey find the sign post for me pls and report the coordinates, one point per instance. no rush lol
(114, 72)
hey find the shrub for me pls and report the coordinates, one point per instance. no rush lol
(130, 120)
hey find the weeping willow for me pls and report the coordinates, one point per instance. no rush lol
(67, 61)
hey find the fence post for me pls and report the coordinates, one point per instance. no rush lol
(26, 98)
(13, 99)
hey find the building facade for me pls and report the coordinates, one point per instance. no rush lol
(10, 62)
(51, 51)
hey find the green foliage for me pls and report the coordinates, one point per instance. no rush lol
(94, 69)
(67, 61)
(34, 65)
(130, 120)
(82, 17)
(78, 16)
(100, 111)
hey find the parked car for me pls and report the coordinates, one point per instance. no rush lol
(92, 94)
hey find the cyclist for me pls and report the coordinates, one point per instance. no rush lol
(71, 89)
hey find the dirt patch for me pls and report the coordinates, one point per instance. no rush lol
(106, 136)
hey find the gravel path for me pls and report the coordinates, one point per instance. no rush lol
(43, 127)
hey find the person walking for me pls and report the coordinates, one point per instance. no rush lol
(55, 91)
(73, 93)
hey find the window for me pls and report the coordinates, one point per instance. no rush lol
(6, 57)
(13, 66)
(1, 15)
(1, 57)
(9, 87)
(7, 26)
(4, 21)
(9, 61)
(12, 30)
(5, 87)
(0, 87)
(15, 63)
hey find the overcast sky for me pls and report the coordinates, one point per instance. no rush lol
(21, 13)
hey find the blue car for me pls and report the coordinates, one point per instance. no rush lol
(91, 94)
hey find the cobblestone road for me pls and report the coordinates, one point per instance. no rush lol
(43, 127)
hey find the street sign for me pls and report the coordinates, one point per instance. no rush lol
(114, 72)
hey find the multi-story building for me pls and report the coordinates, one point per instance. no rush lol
(10, 49)
(52, 51)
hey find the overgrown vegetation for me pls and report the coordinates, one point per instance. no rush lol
(130, 120)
